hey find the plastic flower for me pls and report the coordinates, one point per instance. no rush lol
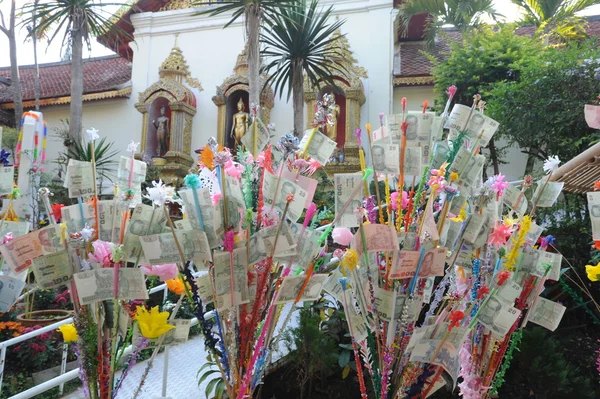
(92, 134)
(87, 233)
(102, 252)
(597, 186)
(349, 259)
(455, 319)
(117, 254)
(157, 193)
(221, 158)
(500, 234)
(593, 272)
(152, 324)
(164, 272)
(69, 332)
(342, 236)
(596, 244)
(132, 147)
(175, 285)
(7, 237)
(551, 164)
(498, 184)
(483, 291)
(394, 200)
(502, 277)
(451, 91)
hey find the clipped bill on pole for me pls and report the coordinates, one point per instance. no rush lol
(10, 289)
(80, 181)
(262, 137)
(21, 251)
(479, 124)
(52, 270)
(139, 176)
(547, 313)
(98, 285)
(345, 185)
(160, 249)
(286, 187)
(321, 147)
(593, 199)
(549, 195)
(7, 179)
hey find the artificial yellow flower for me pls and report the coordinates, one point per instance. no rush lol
(69, 332)
(152, 324)
(350, 259)
(462, 216)
(175, 285)
(453, 177)
(593, 272)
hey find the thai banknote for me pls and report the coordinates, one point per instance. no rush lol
(379, 238)
(10, 289)
(498, 315)
(418, 129)
(20, 252)
(286, 242)
(144, 221)
(547, 313)
(385, 158)
(356, 321)
(234, 190)
(468, 167)
(437, 130)
(510, 197)
(441, 150)
(109, 218)
(17, 229)
(7, 179)
(80, 181)
(279, 194)
(52, 270)
(128, 180)
(210, 221)
(392, 131)
(160, 249)
(225, 285)
(306, 183)
(388, 309)
(593, 199)
(413, 160)
(98, 285)
(320, 148)
(291, 286)
(258, 129)
(474, 226)
(405, 263)
(346, 185)
(543, 259)
(205, 289)
(176, 336)
(306, 249)
(549, 195)
(479, 127)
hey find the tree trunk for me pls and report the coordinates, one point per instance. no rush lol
(298, 98)
(36, 76)
(14, 67)
(494, 156)
(75, 124)
(253, 30)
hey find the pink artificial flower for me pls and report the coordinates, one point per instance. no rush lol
(102, 253)
(338, 253)
(233, 169)
(394, 200)
(216, 198)
(342, 236)
(451, 91)
(165, 272)
(498, 185)
(7, 237)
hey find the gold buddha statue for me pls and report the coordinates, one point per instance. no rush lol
(240, 122)
(333, 128)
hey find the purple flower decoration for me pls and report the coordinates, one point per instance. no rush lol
(221, 158)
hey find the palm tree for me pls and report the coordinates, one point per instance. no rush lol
(555, 17)
(80, 20)
(15, 81)
(299, 41)
(253, 12)
(463, 14)
(35, 37)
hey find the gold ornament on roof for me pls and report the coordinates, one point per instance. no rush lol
(176, 67)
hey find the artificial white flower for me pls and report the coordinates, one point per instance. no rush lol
(157, 194)
(85, 265)
(87, 233)
(551, 164)
(92, 134)
(132, 147)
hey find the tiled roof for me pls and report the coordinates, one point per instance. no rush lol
(412, 67)
(101, 74)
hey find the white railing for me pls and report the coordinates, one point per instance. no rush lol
(63, 376)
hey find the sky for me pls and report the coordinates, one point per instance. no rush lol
(53, 52)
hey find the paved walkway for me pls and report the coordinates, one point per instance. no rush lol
(184, 362)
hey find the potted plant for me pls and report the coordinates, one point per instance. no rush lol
(51, 307)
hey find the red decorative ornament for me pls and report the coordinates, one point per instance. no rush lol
(455, 318)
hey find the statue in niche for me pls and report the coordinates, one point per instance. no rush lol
(162, 131)
(333, 126)
(240, 123)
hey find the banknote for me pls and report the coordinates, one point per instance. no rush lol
(510, 291)
(381, 133)
(258, 129)
(498, 315)
(392, 132)
(385, 158)
(109, 217)
(320, 148)
(205, 289)
(279, 194)
(332, 284)
(124, 321)
(98, 285)
(384, 303)
(10, 289)
(468, 167)
(345, 186)
(549, 195)
(21, 251)
(146, 220)
(593, 199)
(7, 179)
(379, 238)
(547, 313)
(306, 183)
(474, 226)
(224, 284)
(407, 240)
(413, 160)
(256, 249)
(428, 289)
(437, 131)
(80, 182)
(306, 249)
(176, 336)
(160, 249)
(357, 321)
(478, 124)
(211, 216)
(291, 285)
(450, 234)
(510, 197)
(234, 190)
(52, 270)
(418, 130)
(124, 176)
(543, 259)
(441, 150)
(592, 115)
(75, 219)
(285, 242)
(17, 229)
(405, 263)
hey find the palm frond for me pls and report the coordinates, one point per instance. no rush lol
(238, 8)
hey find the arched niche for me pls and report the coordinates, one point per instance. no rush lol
(180, 107)
(229, 93)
